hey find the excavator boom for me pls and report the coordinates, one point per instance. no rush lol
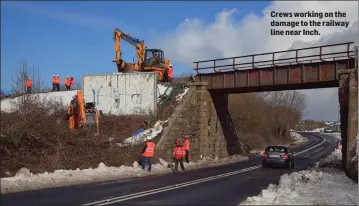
(147, 59)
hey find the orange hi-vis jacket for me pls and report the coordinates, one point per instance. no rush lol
(58, 81)
(67, 82)
(150, 149)
(170, 72)
(179, 152)
(28, 83)
(186, 144)
(54, 80)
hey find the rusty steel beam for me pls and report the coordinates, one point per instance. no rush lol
(309, 73)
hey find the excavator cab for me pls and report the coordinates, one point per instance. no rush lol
(154, 58)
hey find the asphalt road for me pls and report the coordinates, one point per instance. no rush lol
(223, 185)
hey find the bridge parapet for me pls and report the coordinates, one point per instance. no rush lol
(317, 68)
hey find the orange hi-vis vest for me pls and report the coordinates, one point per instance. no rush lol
(179, 152)
(28, 83)
(170, 72)
(54, 80)
(150, 149)
(186, 144)
(57, 80)
(67, 82)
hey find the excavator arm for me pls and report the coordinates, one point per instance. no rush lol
(81, 114)
(139, 45)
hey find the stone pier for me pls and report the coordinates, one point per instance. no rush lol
(348, 99)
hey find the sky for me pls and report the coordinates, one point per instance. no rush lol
(75, 38)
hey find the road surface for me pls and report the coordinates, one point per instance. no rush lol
(223, 185)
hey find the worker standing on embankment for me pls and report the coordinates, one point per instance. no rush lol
(28, 85)
(53, 83)
(178, 153)
(67, 83)
(57, 83)
(170, 73)
(147, 154)
(186, 147)
(72, 82)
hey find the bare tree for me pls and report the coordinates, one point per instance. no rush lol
(25, 71)
(288, 108)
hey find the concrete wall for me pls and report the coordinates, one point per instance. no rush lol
(197, 116)
(123, 93)
(348, 98)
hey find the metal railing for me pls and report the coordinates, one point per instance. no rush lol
(319, 57)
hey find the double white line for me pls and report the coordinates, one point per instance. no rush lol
(185, 184)
(172, 187)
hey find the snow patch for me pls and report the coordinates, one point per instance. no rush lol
(180, 96)
(7, 105)
(320, 186)
(297, 137)
(142, 136)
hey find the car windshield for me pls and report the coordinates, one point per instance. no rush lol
(276, 149)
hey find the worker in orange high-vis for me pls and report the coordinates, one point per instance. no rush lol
(170, 73)
(186, 147)
(178, 154)
(28, 85)
(72, 82)
(53, 82)
(148, 153)
(67, 83)
(58, 81)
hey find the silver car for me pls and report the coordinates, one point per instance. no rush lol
(281, 155)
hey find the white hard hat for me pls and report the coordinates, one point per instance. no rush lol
(148, 138)
(170, 65)
(53, 75)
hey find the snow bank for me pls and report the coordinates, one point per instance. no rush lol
(142, 136)
(24, 180)
(320, 186)
(297, 137)
(64, 96)
(336, 135)
(318, 130)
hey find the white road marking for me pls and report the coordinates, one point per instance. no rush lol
(185, 184)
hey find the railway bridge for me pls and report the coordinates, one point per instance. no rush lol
(324, 66)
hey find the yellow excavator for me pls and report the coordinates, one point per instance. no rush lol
(80, 114)
(148, 60)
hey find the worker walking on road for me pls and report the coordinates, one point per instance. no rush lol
(28, 85)
(186, 147)
(67, 83)
(147, 154)
(53, 83)
(178, 153)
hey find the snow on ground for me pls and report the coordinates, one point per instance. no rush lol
(151, 132)
(141, 137)
(297, 137)
(180, 96)
(318, 130)
(24, 180)
(319, 186)
(64, 96)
